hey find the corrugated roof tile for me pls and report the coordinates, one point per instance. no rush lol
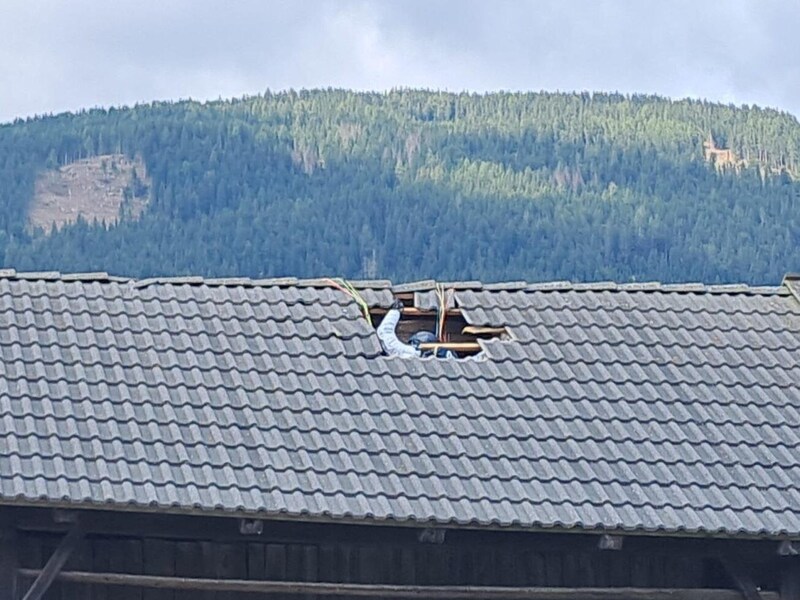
(638, 406)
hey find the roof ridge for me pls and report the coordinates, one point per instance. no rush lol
(655, 286)
(790, 282)
(89, 276)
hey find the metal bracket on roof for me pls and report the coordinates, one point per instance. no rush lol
(61, 515)
(610, 542)
(788, 548)
(431, 535)
(251, 526)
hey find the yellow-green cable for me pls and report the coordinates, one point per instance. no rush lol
(359, 299)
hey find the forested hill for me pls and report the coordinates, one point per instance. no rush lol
(407, 185)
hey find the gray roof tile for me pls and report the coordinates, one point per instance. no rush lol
(632, 406)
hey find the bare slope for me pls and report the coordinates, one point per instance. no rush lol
(97, 189)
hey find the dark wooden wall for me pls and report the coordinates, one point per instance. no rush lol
(426, 564)
(378, 557)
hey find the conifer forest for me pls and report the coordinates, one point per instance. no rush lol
(412, 185)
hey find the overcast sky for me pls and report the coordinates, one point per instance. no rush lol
(58, 55)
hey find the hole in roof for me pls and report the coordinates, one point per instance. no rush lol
(456, 336)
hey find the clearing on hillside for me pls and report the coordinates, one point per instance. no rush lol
(100, 188)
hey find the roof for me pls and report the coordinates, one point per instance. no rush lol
(634, 407)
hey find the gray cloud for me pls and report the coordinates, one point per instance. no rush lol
(57, 55)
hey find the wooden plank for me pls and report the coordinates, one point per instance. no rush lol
(276, 561)
(9, 549)
(619, 570)
(553, 569)
(310, 563)
(536, 572)
(569, 565)
(126, 556)
(601, 568)
(294, 562)
(310, 571)
(79, 560)
(256, 561)
(30, 552)
(159, 559)
(231, 564)
(406, 297)
(188, 563)
(743, 580)
(209, 561)
(428, 567)
(678, 571)
(397, 591)
(345, 559)
(348, 561)
(327, 563)
(790, 578)
(47, 576)
(101, 562)
(447, 563)
(587, 568)
(466, 566)
(454, 346)
(406, 572)
(513, 571)
(366, 564)
(422, 564)
(640, 569)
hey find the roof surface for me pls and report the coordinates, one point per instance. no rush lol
(640, 407)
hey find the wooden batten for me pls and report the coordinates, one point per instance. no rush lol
(458, 336)
(412, 311)
(395, 591)
(454, 346)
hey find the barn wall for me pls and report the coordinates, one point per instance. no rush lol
(426, 564)
(214, 547)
